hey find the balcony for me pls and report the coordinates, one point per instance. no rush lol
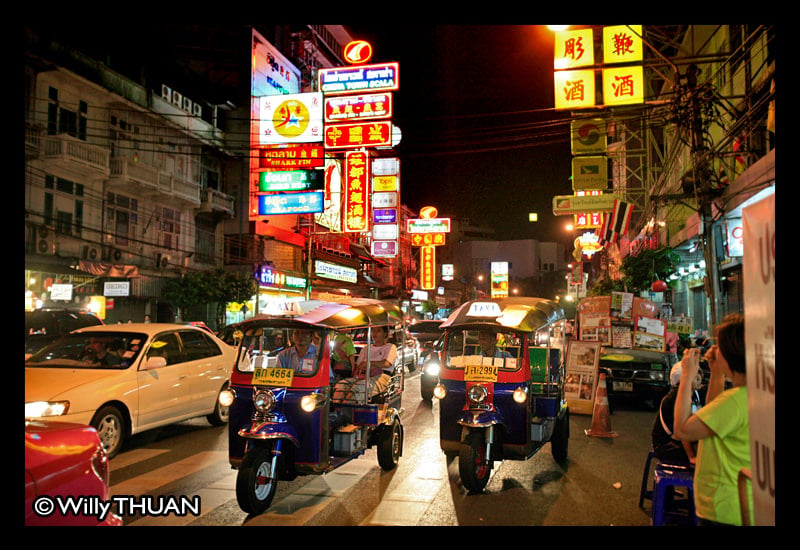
(214, 203)
(126, 172)
(70, 158)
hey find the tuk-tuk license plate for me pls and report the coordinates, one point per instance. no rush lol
(273, 377)
(622, 386)
(480, 373)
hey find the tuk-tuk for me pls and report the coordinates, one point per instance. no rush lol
(283, 421)
(501, 384)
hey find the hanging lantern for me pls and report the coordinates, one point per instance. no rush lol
(659, 286)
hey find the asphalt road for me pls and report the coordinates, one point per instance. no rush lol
(598, 486)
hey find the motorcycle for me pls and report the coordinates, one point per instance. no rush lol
(283, 421)
(501, 385)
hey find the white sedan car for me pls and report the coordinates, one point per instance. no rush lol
(128, 378)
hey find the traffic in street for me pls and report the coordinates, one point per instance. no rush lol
(598, 485)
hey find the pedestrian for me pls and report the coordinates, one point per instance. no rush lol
(666, 448)
(721, 426)
(146, 317)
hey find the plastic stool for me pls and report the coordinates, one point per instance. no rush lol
(646, 493)
(667, 477)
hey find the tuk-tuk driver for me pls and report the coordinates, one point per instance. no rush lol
(487, 339)
(301, 355)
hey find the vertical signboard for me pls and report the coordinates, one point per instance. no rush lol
(356, 191)
(427, 256)
(759, 308)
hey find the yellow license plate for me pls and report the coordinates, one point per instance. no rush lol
(273, 377)
(480, 373)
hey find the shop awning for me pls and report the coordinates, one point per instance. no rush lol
(103, 269)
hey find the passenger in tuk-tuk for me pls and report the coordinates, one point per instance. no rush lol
(381, 365)
(301, 355)
(343, 355)
(487, 339)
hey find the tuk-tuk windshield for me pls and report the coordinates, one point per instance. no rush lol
(264, 347)
(473, 347)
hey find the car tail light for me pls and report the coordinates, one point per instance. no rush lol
(100, 465)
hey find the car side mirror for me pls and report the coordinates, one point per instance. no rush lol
(155, 362)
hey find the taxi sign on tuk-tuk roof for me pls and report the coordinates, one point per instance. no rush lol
(518, 313)
(291, 308)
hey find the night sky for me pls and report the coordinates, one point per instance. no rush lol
(480, 137)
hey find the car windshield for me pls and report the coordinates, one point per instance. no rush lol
(91, 350)
(481, 347)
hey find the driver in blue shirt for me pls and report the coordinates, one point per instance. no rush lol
(487, 339)
(301, 355)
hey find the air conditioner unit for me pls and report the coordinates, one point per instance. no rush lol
(116, 254)
(91, 253)
(162, 261)
(45, 240)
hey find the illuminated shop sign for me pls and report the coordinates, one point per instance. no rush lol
(291, 156)
(428, 225)
(358, 107)
(363, 78)
(272, 73)
(623, 85)
(384, 215)
(428, 239)
(356, 191)
(270, 277)
(499, 275)
(427, 257)
(387, 199)
(384, 183)
(385, 231)
(574, 89)
(623, 44)
(292, 180)
(384, 249)
(357, 51)
(311, 202)
(366, 134)
(292, 118)
(335, 271)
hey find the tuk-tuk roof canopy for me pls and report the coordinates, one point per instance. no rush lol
(353, 313)
(521, 314)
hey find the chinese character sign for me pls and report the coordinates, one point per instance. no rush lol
(573, 48)
(623, 85)
(427, 258)
(574, 89)
(622, 44)
(295, 118)
(356, 185)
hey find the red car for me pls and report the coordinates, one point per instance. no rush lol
(66, 476)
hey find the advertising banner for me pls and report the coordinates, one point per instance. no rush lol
(292, 118)
(583, 360)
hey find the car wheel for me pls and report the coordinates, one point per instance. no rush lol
(221, 414)
(110, 426)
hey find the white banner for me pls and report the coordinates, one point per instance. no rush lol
(759, 308)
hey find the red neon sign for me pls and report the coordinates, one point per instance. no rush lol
(366, 134)
(358, 51)
(356, 191)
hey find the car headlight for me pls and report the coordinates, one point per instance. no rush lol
(520, 394)
(477, 393)
(38, 409)
(227, 397)
(658, 376)
(432, 368)
(263, 400)
(439, 391)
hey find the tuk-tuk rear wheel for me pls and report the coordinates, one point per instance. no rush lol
(256, 484)
(474, 466)
(390, 446)
(559, 441)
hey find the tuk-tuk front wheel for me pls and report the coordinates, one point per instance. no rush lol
(390, 445)
(474, 466)
(256, 483)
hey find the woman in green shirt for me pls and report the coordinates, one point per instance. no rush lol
(721, 427)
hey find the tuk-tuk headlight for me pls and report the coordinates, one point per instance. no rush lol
(520, 394)
(227, 397)
(263, 400)
(439, 391)
(477, 393)
(312, 401)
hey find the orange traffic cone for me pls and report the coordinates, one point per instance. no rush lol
(601, 416)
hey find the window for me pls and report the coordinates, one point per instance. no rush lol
(62, 120)
(170, 228)
(61, 207)
(168, 347)
(122, 217)
(197, 346)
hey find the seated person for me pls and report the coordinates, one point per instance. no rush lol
(382, 356)
(98, 352)
(667, 449)
(343, 356)
(301, 356)
(488, 342)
